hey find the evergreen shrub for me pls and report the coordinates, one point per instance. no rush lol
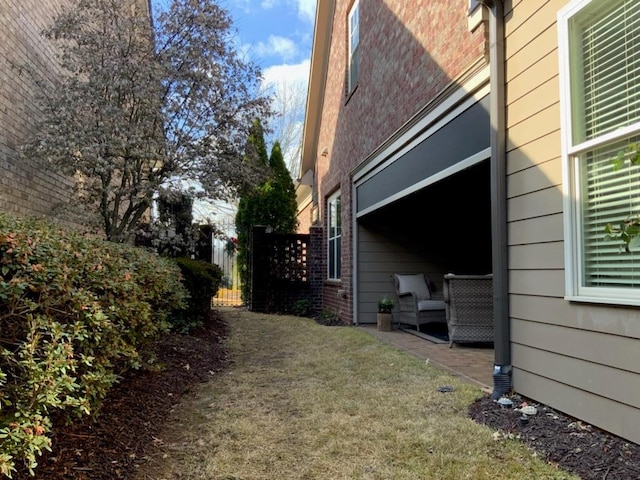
(75, 313)
(202, 280)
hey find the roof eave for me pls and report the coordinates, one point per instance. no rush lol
(317, 81)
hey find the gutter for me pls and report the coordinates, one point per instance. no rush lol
(317, 79)
(499, 246)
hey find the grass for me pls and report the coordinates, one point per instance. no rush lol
(304, 401)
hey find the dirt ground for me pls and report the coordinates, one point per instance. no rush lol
(134, 413)
(573, 445)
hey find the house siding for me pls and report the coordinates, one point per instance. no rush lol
(578, 358)
(379, 254)
(409, 53)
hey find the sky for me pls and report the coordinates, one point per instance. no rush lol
(277, 35)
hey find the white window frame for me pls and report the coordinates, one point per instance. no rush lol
(353, 22)
(334, 236)
(571, 150)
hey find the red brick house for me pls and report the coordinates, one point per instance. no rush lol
(386, 76)
(474, 137)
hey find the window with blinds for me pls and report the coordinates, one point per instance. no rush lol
(334, 236)
(602, 63)
(354, 43)
(609, 195)
(606, 80)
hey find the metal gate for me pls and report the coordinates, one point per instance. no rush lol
(224, 254)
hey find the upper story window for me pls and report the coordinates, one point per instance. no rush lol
(334, 237)
(354, 43)
(599, 47)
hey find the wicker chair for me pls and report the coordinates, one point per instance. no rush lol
(469, 300)
(414, 301)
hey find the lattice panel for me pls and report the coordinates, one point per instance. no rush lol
(288, 259)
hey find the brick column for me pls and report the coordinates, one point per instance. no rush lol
(316, 266)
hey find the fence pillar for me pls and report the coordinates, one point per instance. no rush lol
(259, 267)
(316, 266)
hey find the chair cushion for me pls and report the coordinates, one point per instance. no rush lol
(414, 283)
(431, 305)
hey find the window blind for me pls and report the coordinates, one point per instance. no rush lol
(607, 41)
(354, 43)
(609, 196)
(605, 71)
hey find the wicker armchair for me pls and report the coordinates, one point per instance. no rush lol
(414, 301)
(469, 301)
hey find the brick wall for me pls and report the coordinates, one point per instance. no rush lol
(26, 187)
(316, 267)
(409, 53)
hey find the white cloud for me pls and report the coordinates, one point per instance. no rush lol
(277, 46)
(307, 10)
(279, 74)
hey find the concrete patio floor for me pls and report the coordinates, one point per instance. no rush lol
(473, 364)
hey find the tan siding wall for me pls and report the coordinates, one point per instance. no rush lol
(557, 311)
(380, 255)
(535, 152)
(579, 358)
(543, 176)
(537, 256)
(534, 230)
(535, 204)
(528, 130)
(613, 351)
(619, 417)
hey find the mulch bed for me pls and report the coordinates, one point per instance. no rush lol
(564, 441)
(135, 410)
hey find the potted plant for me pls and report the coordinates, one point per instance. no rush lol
(385, 307)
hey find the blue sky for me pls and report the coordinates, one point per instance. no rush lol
(277, 35)
(274, 32)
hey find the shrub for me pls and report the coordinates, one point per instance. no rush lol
(202, 280)
(301, 308)
(74, 313)
(329, 318)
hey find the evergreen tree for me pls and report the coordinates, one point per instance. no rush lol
(272, 203)
(248, 207)
(281, 198)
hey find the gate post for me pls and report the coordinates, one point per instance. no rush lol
(257, 269)
(315, 265)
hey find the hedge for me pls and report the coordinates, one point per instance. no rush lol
(74, 315)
